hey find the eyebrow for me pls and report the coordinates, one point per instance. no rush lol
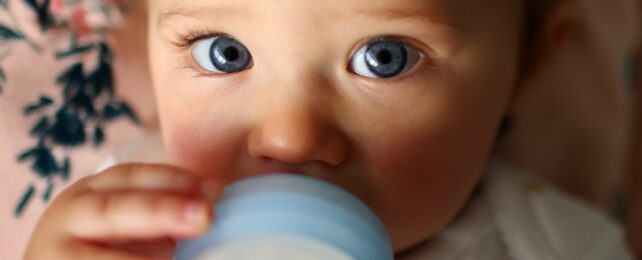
(430, 16)
(178, 12)
(391, 14)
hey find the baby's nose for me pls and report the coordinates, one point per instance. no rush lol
(294, 131)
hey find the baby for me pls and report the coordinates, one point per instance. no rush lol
(399, 102)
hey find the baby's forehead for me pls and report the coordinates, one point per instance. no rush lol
(337, 3)
(463, 15)
(433, 9)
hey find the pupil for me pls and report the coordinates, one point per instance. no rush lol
(231, 53)
(384, 56)
(229, 56)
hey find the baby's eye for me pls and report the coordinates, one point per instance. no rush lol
(384, 58)
(221, 54)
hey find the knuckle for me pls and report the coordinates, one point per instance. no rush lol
(127, 172)
(151, 176)
(88, 202)
(83, 212)
(169, 206)
(183, 180)
(157, 206)
(128, 203)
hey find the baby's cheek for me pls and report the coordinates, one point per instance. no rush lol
(203, 150)
(423, 186)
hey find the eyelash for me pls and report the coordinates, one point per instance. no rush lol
(186, 40)
(187, 64)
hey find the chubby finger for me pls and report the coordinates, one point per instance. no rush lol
(156, 249)
(153, 177)
(100, 253)
(137, 215)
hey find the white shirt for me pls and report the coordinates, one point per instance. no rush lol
(516, 216)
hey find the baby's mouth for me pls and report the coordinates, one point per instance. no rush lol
(266, 168)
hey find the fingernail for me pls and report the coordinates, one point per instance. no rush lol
(197, 214)
(211, 191)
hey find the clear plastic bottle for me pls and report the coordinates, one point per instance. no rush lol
(286, 216)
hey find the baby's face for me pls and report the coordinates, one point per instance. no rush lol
(396, 101)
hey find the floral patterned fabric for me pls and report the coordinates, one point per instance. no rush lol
(87, 102)
(87, 16)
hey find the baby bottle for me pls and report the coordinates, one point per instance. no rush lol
(286, 216)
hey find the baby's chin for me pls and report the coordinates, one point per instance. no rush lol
(410, 226)
(406, 239)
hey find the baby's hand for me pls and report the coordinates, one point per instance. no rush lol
(132, 211)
